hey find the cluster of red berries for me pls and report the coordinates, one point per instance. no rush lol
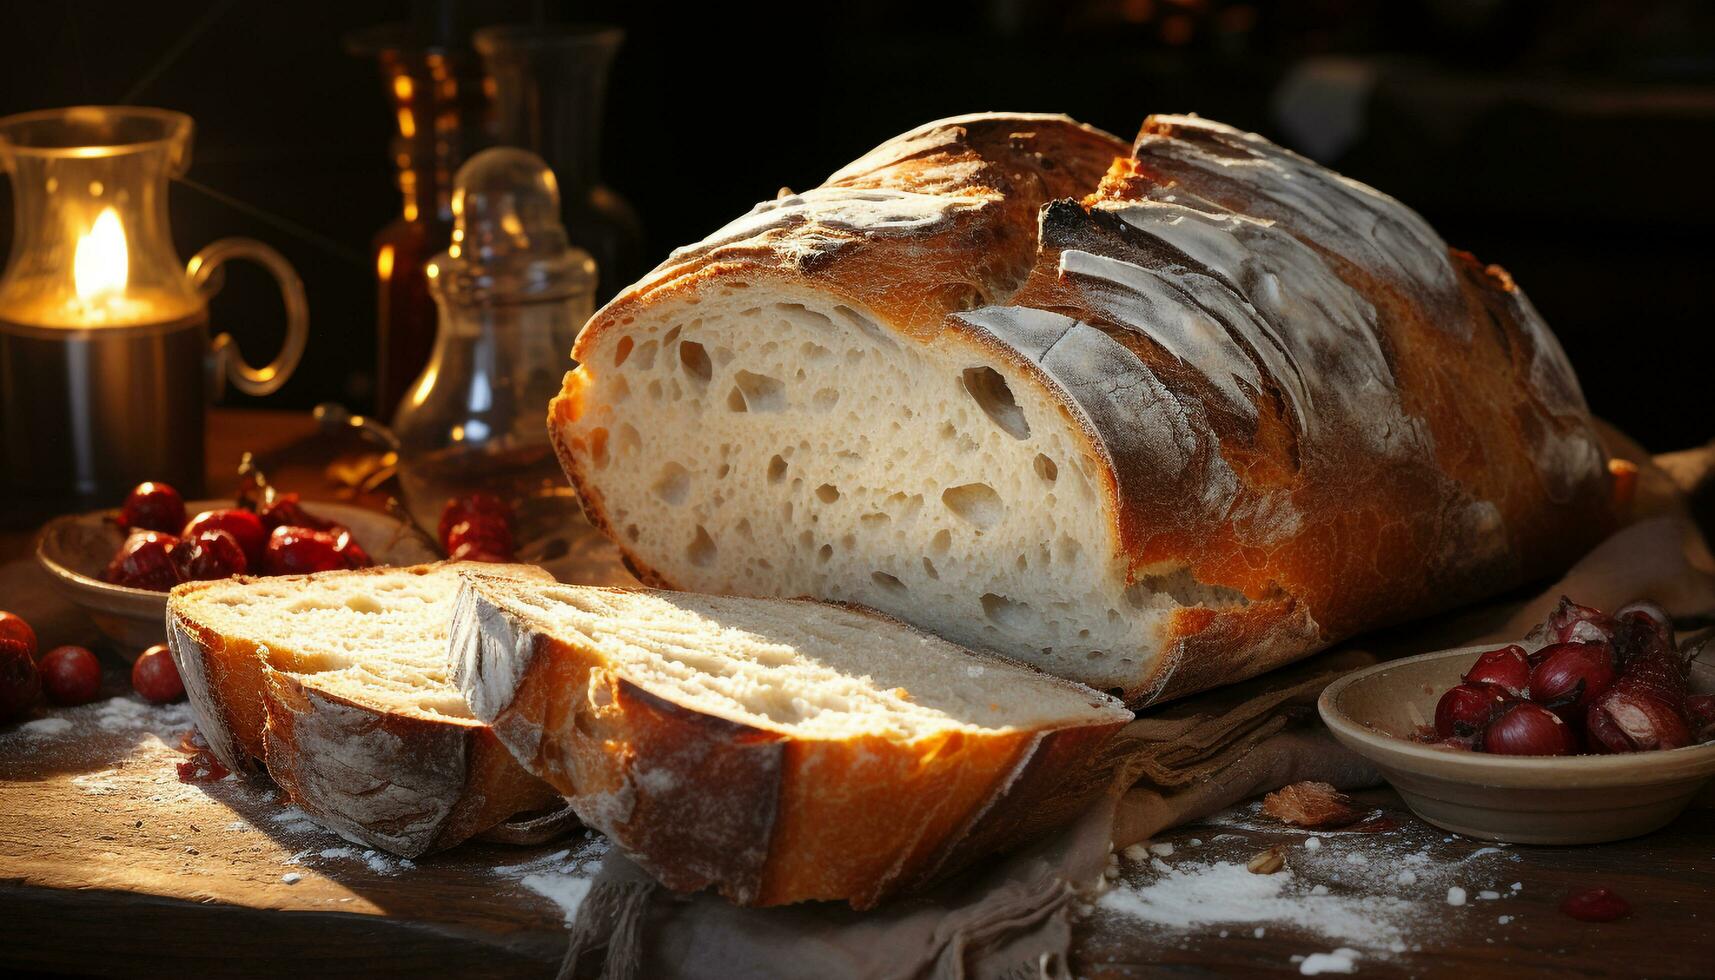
(277, 537)
(477, 527)
(70, 675)
(1595, 684)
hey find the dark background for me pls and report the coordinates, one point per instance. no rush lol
(1572, 142)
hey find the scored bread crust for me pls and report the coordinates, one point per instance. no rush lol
(1395, 431)
(762, 817)
(406, 784)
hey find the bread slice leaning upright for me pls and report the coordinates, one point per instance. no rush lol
(775, 750)
(336, 683)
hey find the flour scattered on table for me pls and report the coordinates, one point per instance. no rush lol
(291, 877)
(123, 714)
(1341, 960)
(565, 876)
(1369, 895)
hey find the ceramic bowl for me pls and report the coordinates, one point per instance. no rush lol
(76, 548)
(1583, 799)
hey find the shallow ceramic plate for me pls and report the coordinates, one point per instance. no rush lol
(76, 548)
(1518, 799)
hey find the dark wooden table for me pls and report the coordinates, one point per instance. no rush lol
(110, 865)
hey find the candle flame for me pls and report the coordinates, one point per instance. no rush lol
(101, 265)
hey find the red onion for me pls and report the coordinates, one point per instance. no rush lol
(1507, 667)
(1642, 629)
(1646, 707)
(1572, 623)
(1523, 728)
(1569, 676)
(1700, 709)
(1465, 709)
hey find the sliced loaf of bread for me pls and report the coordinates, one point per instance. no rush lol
(776, 750)
(337, 684)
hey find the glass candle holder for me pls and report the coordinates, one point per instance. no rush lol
(105, 359)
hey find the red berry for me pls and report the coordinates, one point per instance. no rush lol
(70, 675)
(474, 551)
(301, 550)
(156, 677)
(20, 682)
(351, 552)
(1523, 728)
(152, 507)
(1569, 676)
(1507, 667)
(284, 510)
(209, 555)
(488, 534)
(144, 561)
(1466, 708)
(478, 507)
(244, 527)
(1595, 905)
(14, 626)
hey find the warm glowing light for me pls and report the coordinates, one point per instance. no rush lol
(384, 263)
(101, 266)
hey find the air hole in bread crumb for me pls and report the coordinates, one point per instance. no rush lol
(363, 604)
(848, 541)
(929, 568)
(623, 350)
(941, 542)
(827, 493)
(618, 389)
(646, 355)
(761, 392)
(626, 440)
(735, 401)
(598, 447)
(695, 360)
(672, 485)
(975, 502)
(825, 399)
(888, 582)
(1046, 469)
(672, 335)
(721, 473)
(874, 520)
(701, 550)
(806, 539)
(1006, 613)
(824, 553)
(992, 394)
(632, 532)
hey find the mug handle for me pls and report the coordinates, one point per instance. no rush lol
(204, 271)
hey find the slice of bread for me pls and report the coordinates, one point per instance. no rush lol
(776, 750)
(337, 683)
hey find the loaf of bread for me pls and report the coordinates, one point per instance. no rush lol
(337, 684)
(776, 750)
(1153, 419)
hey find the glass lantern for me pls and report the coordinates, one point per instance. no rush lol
(105, 359)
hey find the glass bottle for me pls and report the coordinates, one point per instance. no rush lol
(440, 111)
(550, 88)
(511, 293)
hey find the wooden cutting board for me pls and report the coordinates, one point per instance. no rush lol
(110, 864)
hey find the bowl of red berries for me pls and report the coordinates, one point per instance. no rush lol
(1595, 727)
(119, 565)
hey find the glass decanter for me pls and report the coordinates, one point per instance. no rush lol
(511, 294)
